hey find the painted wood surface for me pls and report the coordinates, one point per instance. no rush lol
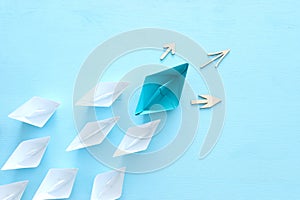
(44, 43)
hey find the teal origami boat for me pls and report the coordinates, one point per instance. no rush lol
(162, 91)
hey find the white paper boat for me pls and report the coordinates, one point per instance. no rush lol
(13, 191)
(93, 133)
(103, 94)
(37, 111)
(137, 138)
(108, 186)
(57, 184)
(28, 154)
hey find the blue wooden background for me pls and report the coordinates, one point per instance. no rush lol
(44, 43)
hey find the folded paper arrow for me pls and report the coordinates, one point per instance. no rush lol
(162, 91)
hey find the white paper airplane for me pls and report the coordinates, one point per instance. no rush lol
(93, 133)
(103, 94)
(108, 186)
(57, 184)
(37, 111)
(13, 191)
(28, 154)
(137, 138)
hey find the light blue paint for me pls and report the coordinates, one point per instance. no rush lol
(43, 44)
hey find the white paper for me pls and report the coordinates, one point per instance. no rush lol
(109, 185)
(13, 191)
(93, 133)
(137, 138)
(37, 111)
(57, 184)
(103, 94)
(28, 154)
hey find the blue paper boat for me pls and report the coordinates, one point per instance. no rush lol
(162, 91)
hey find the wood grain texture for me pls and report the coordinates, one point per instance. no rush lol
(43, 44)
